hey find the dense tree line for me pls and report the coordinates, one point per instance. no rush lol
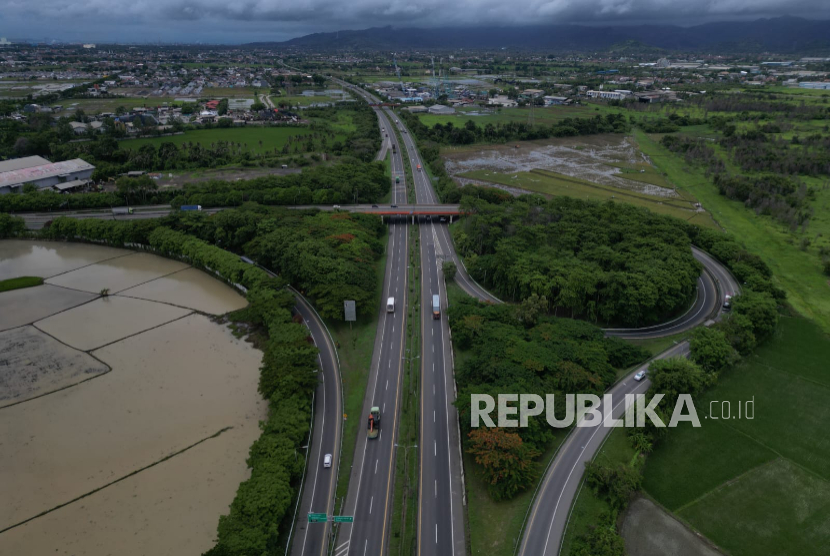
(342, 183)
(11, 226)
(694, 151)
(753, 103)
(756, 151)
(783, 198)
(609, 262)
(471, 132)
(349, 182)
(522, 349)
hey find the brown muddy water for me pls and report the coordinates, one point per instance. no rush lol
(586, 158)
(47, 259)
(141, 432)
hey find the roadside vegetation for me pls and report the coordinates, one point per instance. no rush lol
(347, 182)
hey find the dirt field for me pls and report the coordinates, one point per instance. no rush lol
(595, 158)
(649, 531)
(135, 447)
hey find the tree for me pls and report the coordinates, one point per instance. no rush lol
(711, 350)
(761, 310)
(29, 188)
(257, 107)
(506, 463)
(449, 270)
(613, 483)
(674, 376)
(531, 308)
(120, 110)
(739, 333)
(601, 539)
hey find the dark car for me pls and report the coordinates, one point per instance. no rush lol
(374, 206)
(394, 206)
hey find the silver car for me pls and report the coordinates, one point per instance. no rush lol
(640, 376)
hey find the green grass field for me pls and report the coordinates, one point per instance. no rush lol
(19, 283)
(757, 486)
(798, 272)
(553, 183)
(259, 139)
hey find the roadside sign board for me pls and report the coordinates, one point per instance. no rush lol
(318, 518)
(349, 307)
(344, 519)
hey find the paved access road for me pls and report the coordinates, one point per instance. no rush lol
(548, 517)
(320, 483)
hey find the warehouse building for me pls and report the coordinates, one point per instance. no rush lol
(42, 173)
(441, 110)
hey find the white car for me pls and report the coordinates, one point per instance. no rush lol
(327, 460)
(640, 376)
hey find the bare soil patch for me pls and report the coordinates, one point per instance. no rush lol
(594, 158)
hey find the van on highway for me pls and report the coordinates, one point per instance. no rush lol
(436, 306)
(327, 460)
(390, 305)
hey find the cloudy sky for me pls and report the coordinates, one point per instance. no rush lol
(240, 21)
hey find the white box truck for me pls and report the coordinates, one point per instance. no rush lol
(436, 306)
(390, 305)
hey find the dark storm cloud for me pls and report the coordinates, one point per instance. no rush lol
(241, 21)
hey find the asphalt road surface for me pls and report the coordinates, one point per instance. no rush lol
(548, 517)
(441, 488)
(369, 498)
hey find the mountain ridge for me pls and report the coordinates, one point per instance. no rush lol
(782, 34)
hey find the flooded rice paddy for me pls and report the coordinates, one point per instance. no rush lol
(588, 158)
(132, 448)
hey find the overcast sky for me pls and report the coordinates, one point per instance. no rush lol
(241, 21)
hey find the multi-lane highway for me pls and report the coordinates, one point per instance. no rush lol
(369, 498)
(441, 492)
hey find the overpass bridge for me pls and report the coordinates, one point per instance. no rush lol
(36, 220)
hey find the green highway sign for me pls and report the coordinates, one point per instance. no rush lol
(318, 518)
(344, 519)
